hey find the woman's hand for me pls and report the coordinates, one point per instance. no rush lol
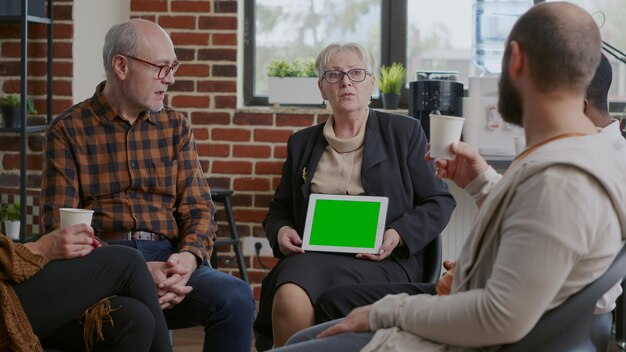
(356, 321)
(445, 282)
(71, 242)
(466, 165)
(289, 242)
(391, 239)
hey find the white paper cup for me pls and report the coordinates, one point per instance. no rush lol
(71, 216)
(444, 131)
(520, 144)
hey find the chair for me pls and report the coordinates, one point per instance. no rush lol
(432, 261)
(224, 196)
(620, 320)
(567, 327)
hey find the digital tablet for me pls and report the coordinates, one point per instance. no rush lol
(347, 224)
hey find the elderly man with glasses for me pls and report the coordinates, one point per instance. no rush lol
(132, 160)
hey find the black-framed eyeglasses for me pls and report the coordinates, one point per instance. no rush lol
(164, 70)
(355, 75)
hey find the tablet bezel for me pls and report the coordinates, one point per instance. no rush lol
(380, 227)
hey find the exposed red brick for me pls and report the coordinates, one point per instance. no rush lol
(263, 200)
(241, 200)
(250, 215)
(12, 162)
(182, 86)
(252, 151)
(63, 31)
(36, 142)
(224, 71)
(180, 22)
(204, 164)
(184, 54)
(12, 49)
(225, 6)
(294, 120)
(201, 134)
(217, 54)
(322, 118)
(277, 136)
(10, 143)
(58, 105)
(275, 182)
(60, 87)
(62, 50)
(225, 102)
(148, 5)
(253, 119)
(190, 101)
(190, 38)
(62, 12)
(193, 70)
(280, 151)
(221, 150)
(217, 86)
(191, 6)
(218, 182)
(11, 68)
(269, 167)
(224, 39)
(10, 30)
(269, 262)
(232, 167)
(217, 22)
(63, 69)
(251, 184)
(230, 134)
(210, 118)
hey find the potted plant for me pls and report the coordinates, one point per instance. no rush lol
(11, 112)
(10, 215)
(390, 83)
(292, 82)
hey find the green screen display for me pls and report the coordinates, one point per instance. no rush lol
(344, 223)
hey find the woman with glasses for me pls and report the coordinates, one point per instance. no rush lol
(357, 151)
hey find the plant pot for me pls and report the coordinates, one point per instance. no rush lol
(11, 117)
(12, 229)
(391, 101)
(293, 90)
(14, 8)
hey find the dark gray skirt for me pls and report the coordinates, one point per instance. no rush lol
(316, 272)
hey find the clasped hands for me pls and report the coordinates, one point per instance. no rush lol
(171, 278)
(290, 243)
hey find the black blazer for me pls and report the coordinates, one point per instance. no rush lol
(393, 165)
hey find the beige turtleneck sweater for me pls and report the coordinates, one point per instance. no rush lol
(339, 169)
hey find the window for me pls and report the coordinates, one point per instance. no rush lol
(421, 34)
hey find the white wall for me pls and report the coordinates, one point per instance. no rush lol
(92, 19)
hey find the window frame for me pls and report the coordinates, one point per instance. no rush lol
(394, 23)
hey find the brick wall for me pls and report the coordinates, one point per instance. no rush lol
(239, 149)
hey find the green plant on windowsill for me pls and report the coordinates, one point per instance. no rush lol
(10, 212)
(391, 78)
(297, 68)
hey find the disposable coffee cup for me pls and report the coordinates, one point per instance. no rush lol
(444, 131)
(520, 144)
(72, 216)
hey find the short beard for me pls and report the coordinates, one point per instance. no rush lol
(509, 100)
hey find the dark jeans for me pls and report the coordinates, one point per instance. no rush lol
(221, 303)
(57, 295)
(340, 300)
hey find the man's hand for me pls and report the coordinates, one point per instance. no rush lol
(391, 239)
(171, 278)
(71, 242)
(444, 284)
(289, 242)
(466, 165)
(356, 321)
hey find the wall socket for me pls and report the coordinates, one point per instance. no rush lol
(249, 249)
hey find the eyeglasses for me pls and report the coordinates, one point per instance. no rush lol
(164, 70)
(355, 75)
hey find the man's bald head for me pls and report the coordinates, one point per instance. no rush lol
(562, 43)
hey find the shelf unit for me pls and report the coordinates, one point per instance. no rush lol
(24, 19)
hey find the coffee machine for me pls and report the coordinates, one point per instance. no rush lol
(435, 91)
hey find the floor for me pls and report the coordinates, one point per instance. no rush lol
(190, 340)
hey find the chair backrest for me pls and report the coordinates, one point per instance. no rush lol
(432, 261)
(567, 327)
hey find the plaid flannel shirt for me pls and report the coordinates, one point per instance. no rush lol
(144, 176)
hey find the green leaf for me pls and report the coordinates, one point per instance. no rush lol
(391, 79)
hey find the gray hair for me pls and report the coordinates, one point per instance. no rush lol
(121, 39)
(327, 54)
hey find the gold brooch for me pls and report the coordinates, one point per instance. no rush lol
(305, 175)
